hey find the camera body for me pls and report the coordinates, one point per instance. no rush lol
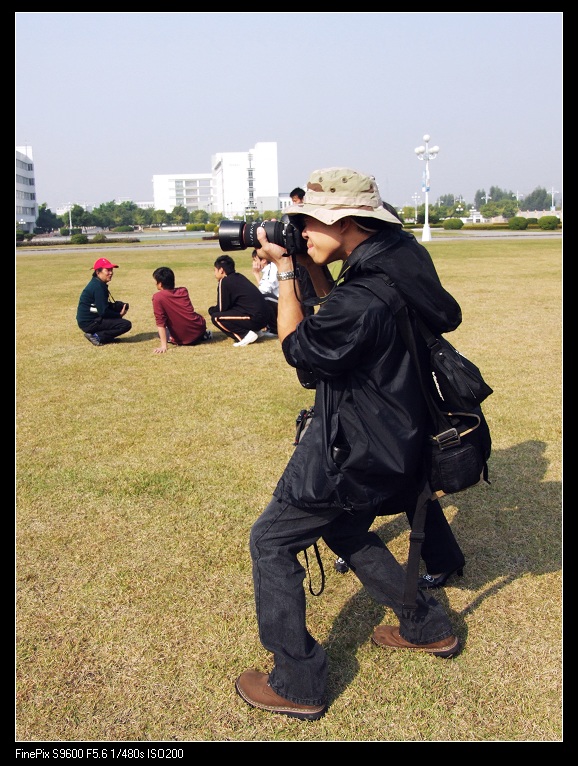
(239, 235)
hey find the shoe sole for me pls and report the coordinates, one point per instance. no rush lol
(288, 711)
(89, 338)
(445, 654)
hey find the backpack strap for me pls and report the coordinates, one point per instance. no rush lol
(416, 538)
(384, 288)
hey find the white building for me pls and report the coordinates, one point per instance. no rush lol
(474, 216)
(246, 181)
(239, 183)
(191, 190)
(26, 204)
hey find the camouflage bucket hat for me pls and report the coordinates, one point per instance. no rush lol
(334, 193)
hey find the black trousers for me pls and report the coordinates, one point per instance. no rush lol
(440, 550)
(107, 329)
(237, 326)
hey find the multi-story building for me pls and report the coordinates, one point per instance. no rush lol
(239, 183)
(191, 190)
(26, 204)
(246, 182)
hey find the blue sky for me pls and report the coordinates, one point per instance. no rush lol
(107, 100)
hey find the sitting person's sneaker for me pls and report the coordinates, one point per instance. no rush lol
(93, 338)
(254, 688)
(208, 335)
(341, 565)
(389, 636)
(250, 337)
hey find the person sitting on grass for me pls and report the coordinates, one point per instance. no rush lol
(241, 309)
(177, 321)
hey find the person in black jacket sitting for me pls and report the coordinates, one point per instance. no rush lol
(241, 310)
(361, 455)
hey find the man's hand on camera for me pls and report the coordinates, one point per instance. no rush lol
(273, 253)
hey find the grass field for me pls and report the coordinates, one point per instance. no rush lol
(139, 475)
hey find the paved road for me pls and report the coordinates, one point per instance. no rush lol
(164, 243)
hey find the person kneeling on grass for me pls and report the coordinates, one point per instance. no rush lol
(98, 315)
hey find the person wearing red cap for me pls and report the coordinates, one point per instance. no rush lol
(99, 316)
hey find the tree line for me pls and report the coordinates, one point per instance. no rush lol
(498, 202)
(110, 215)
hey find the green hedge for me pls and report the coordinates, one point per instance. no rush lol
(453, 223)
(518, 223)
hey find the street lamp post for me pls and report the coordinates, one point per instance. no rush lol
(416, 198)
(426, 154)
(552, 192)
(70, 220)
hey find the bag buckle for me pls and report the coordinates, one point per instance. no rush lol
(446, 439)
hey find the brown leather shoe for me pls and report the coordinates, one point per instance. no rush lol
(254, 688)
(388, 635)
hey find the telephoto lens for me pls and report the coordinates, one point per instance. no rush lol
(238, 235)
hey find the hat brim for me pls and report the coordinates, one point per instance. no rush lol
(329, 215)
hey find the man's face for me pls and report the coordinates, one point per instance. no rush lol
(219, 273)
(296, 200)
(324, 242)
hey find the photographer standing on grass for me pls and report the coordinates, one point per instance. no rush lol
(98, 315)
(361, 456)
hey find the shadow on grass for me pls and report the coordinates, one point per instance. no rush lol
(510, 529)
(143, 337)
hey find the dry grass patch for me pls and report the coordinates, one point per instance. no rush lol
(138, 478)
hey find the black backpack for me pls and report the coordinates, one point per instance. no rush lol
(459, 442)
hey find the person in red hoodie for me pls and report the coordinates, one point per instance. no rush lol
(177, 321)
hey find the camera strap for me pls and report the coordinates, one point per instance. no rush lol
(344, 268)
(318, 556)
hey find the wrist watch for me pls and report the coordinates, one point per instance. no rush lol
(283, 275)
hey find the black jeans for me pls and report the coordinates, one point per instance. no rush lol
(440, 550)
(277, 536)
(107, 329)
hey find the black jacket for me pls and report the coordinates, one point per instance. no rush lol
(238, 295)
(368, 399)
(94, 302)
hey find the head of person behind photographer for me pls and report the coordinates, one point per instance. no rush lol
(361, 455)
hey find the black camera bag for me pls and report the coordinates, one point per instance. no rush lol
(454, 381)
